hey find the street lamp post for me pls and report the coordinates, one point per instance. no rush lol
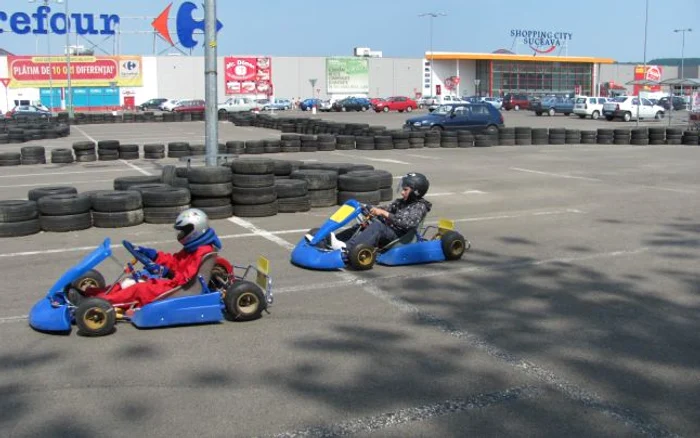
(431, 15)
(69, 94)
(682, 72)
(646, 26)
(477, 90)
(48, 48)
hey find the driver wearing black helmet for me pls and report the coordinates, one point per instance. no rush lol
(395, 220)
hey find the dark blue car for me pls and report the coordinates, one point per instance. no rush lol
(307, 104)
(482, 117)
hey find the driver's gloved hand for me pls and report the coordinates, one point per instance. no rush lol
(148, 252)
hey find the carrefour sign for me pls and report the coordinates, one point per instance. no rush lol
(542, 41)
(44, 21)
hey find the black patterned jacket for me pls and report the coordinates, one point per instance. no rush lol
(405, 215)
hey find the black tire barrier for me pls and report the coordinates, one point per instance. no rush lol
(18, 218)
(65, 212)
(23, 130)
(39, 192)
(124, 182)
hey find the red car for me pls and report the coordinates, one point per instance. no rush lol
(396, 103)
(190, 106)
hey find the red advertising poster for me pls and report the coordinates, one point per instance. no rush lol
(90, 71)
(248, 75)
(653, 73)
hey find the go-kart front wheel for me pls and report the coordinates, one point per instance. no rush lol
(95, 317)
(244, 301)
(362, 257)
(453, 245)
(92, 278)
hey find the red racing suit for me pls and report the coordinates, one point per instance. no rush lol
(183, 265)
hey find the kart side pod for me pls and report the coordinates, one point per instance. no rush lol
(195, 309)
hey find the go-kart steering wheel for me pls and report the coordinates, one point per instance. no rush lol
(147, 263)
(365, 216)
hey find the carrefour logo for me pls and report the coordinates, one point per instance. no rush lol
(184, 23)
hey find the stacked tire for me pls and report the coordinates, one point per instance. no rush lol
(523, 135)
(19, 218)
(432, 139)
(65, 212)
(33, 155)
(557, 136)
(588, 137)
(690, 138)
(604, 136)
(84, 151)
(272, 146)
(210, 189)
(674, 136)
(235, 147)
(321, 185)
(506, 136)
(292, 195)
(621, 136)
(197, 150)
(482, 141)
(162, 205)
(383, 142)
(126, 182)
(116, 209)
(465, 139)
(639, 136)
(153, 151)
(400, 139)
(290, 142)
(345, 142)
(326, 142)
(365, 143)
(253, 191)
(309, 143)
(416, 140)
(254, 147)
(177, 149)
(175, 176)
(572, 136)
(129, 152)
(657, 135)
(366, 186)
(540, 136)
(62, 156)
(108, 150)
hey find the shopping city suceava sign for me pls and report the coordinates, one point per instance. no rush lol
(44, 21)
(541, 41)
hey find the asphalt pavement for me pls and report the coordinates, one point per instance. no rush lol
(575, 313)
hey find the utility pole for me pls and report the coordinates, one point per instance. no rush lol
(646, 26)
(211, 134)
(69, 95)
(682, 72)
(431, 16)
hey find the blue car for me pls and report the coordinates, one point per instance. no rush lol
(315, 252)
(307, 104)
(208, 298)
(480, 117)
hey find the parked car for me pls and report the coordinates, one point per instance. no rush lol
(352, 104)
(444, 100)
(307, 104)
(190, 106)
(376, 100)
(426, 101)
(627, 108)
(497, 102)
(169, 104)
(471, 99)
(277, 104)
(28, 112)
(458, 116)
(678, 103)
(326, 105)
(552, 106)
(396, 103)
(585, 106)
(152, 104)
(516, 102)
(238, 105)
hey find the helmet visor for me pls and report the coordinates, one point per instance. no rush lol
(184, 231)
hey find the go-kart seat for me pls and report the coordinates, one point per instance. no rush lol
(194, 287)
(409, 237)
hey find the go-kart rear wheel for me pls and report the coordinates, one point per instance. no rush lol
(362, 257)
(92, 278)
(453, 245)
(244, 301)
(95, 317)
(219, 279)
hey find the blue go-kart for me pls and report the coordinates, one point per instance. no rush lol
(213, 294)
(315, 250)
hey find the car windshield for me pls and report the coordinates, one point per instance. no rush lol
(619, 99)
(444, 109)
(581, 100)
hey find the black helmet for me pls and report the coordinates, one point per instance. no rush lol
(418, 183)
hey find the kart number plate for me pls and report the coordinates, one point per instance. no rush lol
(446, 225)
(263, 271)
(342, 213)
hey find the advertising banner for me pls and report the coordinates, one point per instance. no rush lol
(653, 73)
(695, 102)
(86, 71)
(347, 75)
(248, 75)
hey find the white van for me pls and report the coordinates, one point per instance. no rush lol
(585, 106)
(442, 100)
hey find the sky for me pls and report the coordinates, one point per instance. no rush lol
(602, 28)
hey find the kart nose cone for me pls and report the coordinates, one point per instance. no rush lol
(47, 318)
(308, 256)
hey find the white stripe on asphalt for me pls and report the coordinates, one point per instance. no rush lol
(382, 160)
(84, 134)
(559, 175)
(136, 168)
(256, 233)
(262, 233)
(475, 192)
(62, 182)
(425, 157)
(62, 173)
(433, 195)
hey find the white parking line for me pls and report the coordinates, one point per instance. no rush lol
(260, 232)
(136, 168)
(62, 173)
(559, 175)
(473, 192)
(424, 157)
(62, 182)
(84, 134)
(382, 160)
(433, 195)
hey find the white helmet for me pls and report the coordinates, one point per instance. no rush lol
(191, 224)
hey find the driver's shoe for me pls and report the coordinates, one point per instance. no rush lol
(335, 243)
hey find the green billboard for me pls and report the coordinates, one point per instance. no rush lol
(347, 75)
